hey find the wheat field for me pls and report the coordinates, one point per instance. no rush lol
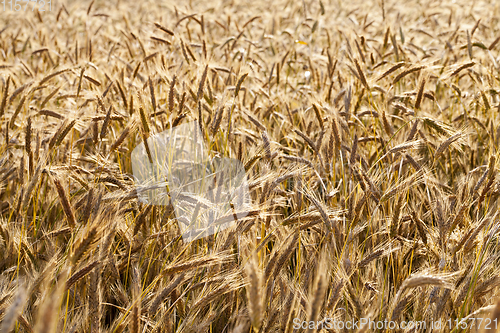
(368, 132)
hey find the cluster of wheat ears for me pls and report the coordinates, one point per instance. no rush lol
(368, 131)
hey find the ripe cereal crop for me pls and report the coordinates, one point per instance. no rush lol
(367, 133)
